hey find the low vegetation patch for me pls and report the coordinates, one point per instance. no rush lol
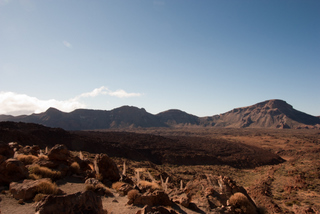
(43, 172)
(241, 202)
(27, 159)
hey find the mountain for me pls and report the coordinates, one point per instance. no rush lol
(85, 119)
(267, 114)
(175, 117)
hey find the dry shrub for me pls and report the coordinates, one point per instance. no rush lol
(34, 176)
(44, 172)
(75, 168)
(99, 176)
(39, 197)
(43, 157)
(117, 185)
(99, 188)
(146, 185)
(47, 187)
(27, 159)
(239, 200)
(133, 194)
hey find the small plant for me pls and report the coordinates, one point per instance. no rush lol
(39, 197)
(146, 185)
(240, 201)
(133, 194)
(99, 176)
(47, 187)
(99, 188)
(27, 159)
(44, 172)
(75, 168)
(117, 185)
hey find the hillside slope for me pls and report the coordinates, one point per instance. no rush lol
(267, 114)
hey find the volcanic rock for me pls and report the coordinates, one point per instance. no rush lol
(27, 189)
(6, 150)
(77, 203)
(158, 197)
(107, 168)
(12, 170)
(59, 153)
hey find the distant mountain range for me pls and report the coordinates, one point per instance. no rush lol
(267, 114)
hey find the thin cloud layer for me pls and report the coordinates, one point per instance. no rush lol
(17, 104)
(105, 91)
(67, 44)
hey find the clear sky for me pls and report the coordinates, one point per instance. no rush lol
(204, 57)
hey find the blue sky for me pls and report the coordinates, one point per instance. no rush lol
(203, 57)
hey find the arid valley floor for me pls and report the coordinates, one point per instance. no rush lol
(289, 184)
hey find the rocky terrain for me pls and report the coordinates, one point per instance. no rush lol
(267, 114)
(159, 170)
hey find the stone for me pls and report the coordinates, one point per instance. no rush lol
(12, 170)
(27, 189)
(30, 150)
(107, 168)
(77, 203)
(6, 151)
(59, 153)
(158, 197)
(159, 210)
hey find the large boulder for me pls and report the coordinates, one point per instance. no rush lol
(159, 210)
(27, 189)
(59, 153)
(158, 197)
(107, 168)
(6, 150)
(30, 150)
(77, 203)
(12, 170)
(212, 193)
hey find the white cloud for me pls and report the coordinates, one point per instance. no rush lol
(17, 104)
(67, 44)
(105, 91)
(122, 93)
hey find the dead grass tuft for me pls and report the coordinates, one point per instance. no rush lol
(47, 187)
(39, 197)
(27, 159)
(133, 194)
(75, 168)
(99, 188)
(117, 185)
(240, 201)
(43, 157)
(147, 185)
(44, 172)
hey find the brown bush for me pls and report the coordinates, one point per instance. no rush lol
(147, 185)
(47, 187)
(240, 201)
(117, 185)
(75, 168)
(44, 172)
(99, 188)
(133, 194)
(39, 197)
(27, 159)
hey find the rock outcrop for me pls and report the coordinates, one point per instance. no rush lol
(12, 170)
(27, 189)
(77, 203)
(107, 168)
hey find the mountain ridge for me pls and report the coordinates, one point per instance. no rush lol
(273, 113)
